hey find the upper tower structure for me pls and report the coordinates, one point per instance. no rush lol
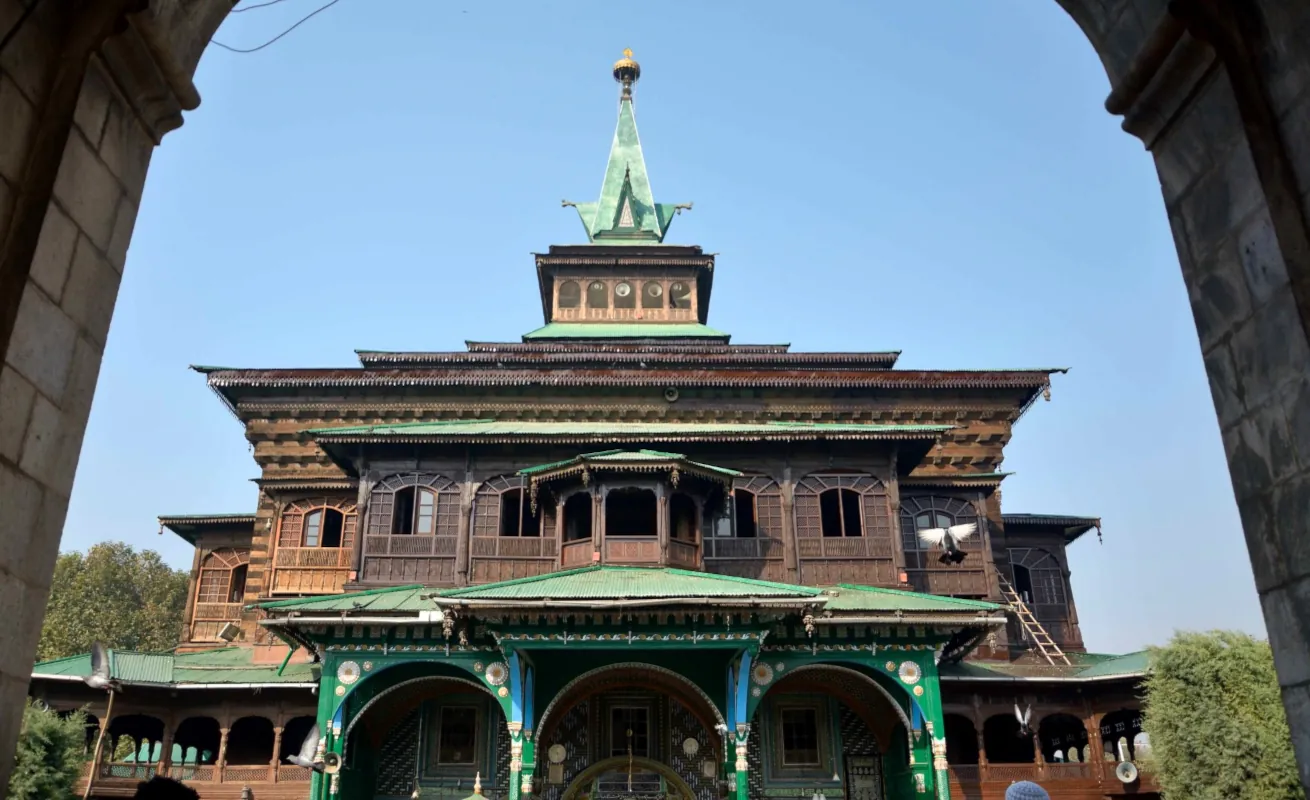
(626, 212)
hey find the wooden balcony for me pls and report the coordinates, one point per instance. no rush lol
(1091, 781)
(209, 619)
(759, 558)
(949, 581)
(282, 782)
(503, 558)
(408, 559)
(310, 570)
(632, 550)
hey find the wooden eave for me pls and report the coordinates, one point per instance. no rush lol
(642, 356)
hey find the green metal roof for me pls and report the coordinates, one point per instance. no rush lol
(626, 330)
(627, 583)
(1128, 664)
(850, 597)
(394, 599)
(491, 427)
(1085, 666)
(223, 665)
(626, 212)
(621, 457)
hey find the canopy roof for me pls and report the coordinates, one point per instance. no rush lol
(1070, 526)
(1085, 667)
(189, 526)
(627, 461)
(210, 668)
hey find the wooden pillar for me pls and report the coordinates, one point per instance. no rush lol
(790, 561)
(277, 748)
(894, 510)
(467, 490)
(1093, 722)
(598, 524)
(559, 531)
(165, 750)
(220, 765)
(662, 522)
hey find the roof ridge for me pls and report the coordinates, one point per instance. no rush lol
(362, 593)
(978, 604)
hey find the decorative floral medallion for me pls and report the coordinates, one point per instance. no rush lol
(910, 672)
(690, 747)
(918, 691)
(368, 666)
(497, 673)
(477, 666)
(755, 691)
(348, 672)
(556, 753)
(762, 674)
(891, 666)
(341, 691)
(779, 667)
(504, 692)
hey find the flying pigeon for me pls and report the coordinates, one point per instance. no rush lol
(99, 677)
(308, 749)
(1024, 718)
(949, 539)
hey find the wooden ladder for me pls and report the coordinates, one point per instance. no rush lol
(1034, 630)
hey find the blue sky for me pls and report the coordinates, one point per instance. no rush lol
(934, 177)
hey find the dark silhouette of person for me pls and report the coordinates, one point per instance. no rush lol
(160, 788)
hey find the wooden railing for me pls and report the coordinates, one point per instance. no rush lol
(843, 547)
(514, 547)
(632, 550)
(310, 570)
(742, 548)
(410, 545)
(221, 612)
(1056, 772)
(576, 554)
(684, 554)
(312, 557)
(949, 581)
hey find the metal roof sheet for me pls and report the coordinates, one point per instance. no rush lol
(392, 599)
(610, 582)
(619, 457)
(850, 597)
(222, 665)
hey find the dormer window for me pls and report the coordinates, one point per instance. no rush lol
(597, 296)
(570, 294)
(624, 297)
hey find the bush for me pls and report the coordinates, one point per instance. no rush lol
(51, 751)
(1216, 721)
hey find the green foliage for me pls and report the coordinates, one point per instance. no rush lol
(51, 751)
(124, 598)
(1216, 721)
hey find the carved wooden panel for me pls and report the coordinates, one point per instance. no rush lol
(684, 554)
(308, 581)
(577, 554)
(504, 569)
(632, 550)
(971, 582)
(759, 569)
(758, 548)
(426, 570)
(864, 572)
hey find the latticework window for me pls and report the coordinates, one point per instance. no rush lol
(414, 504)
(215, 582)
(842, 505)
(321, 522)
(502, 507)
(756, 508)
(933, 511)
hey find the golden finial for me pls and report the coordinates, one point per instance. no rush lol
(627, 71)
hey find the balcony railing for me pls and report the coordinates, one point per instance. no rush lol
(968, 775)
(743, 548)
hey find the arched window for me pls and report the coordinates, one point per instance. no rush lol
(504, 508)
(413, 504)
(755, 509)
(841, 512)
(922, 513)
(293, 736)
(250, 742)
(1118, 730)
(415, 512)
(624, 295)
(577, 517)
(222, 576)
(570, 294)
(1004, 744)
(1061, 733)
(597, 295)
(318, 523)
(652, 295)
(679, 295)
(630, 512)
(961, 740)
(843, 505)
(1038, 577)
(744, 516)
(682, 518)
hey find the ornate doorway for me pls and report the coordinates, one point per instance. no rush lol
(628, 778)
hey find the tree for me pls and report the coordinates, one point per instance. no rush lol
(127, 599)
(1216, 721)
(51, 750)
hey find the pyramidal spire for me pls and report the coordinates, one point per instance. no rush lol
(626, 212)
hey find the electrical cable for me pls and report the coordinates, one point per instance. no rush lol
(302, 21)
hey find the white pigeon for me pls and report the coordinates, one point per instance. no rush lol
(1024, 718)
(99, 677)
(949, 539)
(308, 749)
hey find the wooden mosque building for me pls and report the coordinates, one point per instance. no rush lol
(623, 557)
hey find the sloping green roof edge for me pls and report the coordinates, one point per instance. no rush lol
(471, 592)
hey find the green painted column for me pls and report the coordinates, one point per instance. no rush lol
(327, 683)
(515, 760)
(935, 725)
(741, 767)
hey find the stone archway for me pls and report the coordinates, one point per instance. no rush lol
(1213, 94)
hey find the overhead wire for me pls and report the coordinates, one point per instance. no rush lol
(302, 21)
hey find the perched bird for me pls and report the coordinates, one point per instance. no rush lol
(99, 677)
(308, 749)
(1024, 718)
(949, 539)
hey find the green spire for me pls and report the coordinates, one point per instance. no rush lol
(626, 212)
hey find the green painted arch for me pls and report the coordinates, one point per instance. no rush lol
(393, 674)
(577, 789)
(897, 697)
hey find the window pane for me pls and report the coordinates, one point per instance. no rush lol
(402, 513)
(334, 522)
(924, 521)
(597, 295)
(623, 720)
(744, 508)
(457, 735)
(313, 526)
(852, 519)
(426, 516)
(570, 294)
(511, 503)
(943, 521)
(800, 737)
(830, 512)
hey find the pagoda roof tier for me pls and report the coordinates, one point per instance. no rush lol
(619, 353)
(626, 461)
(189, 526)
(1071, 527)
(610, 257)
(630, 331)
(1033, 380)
